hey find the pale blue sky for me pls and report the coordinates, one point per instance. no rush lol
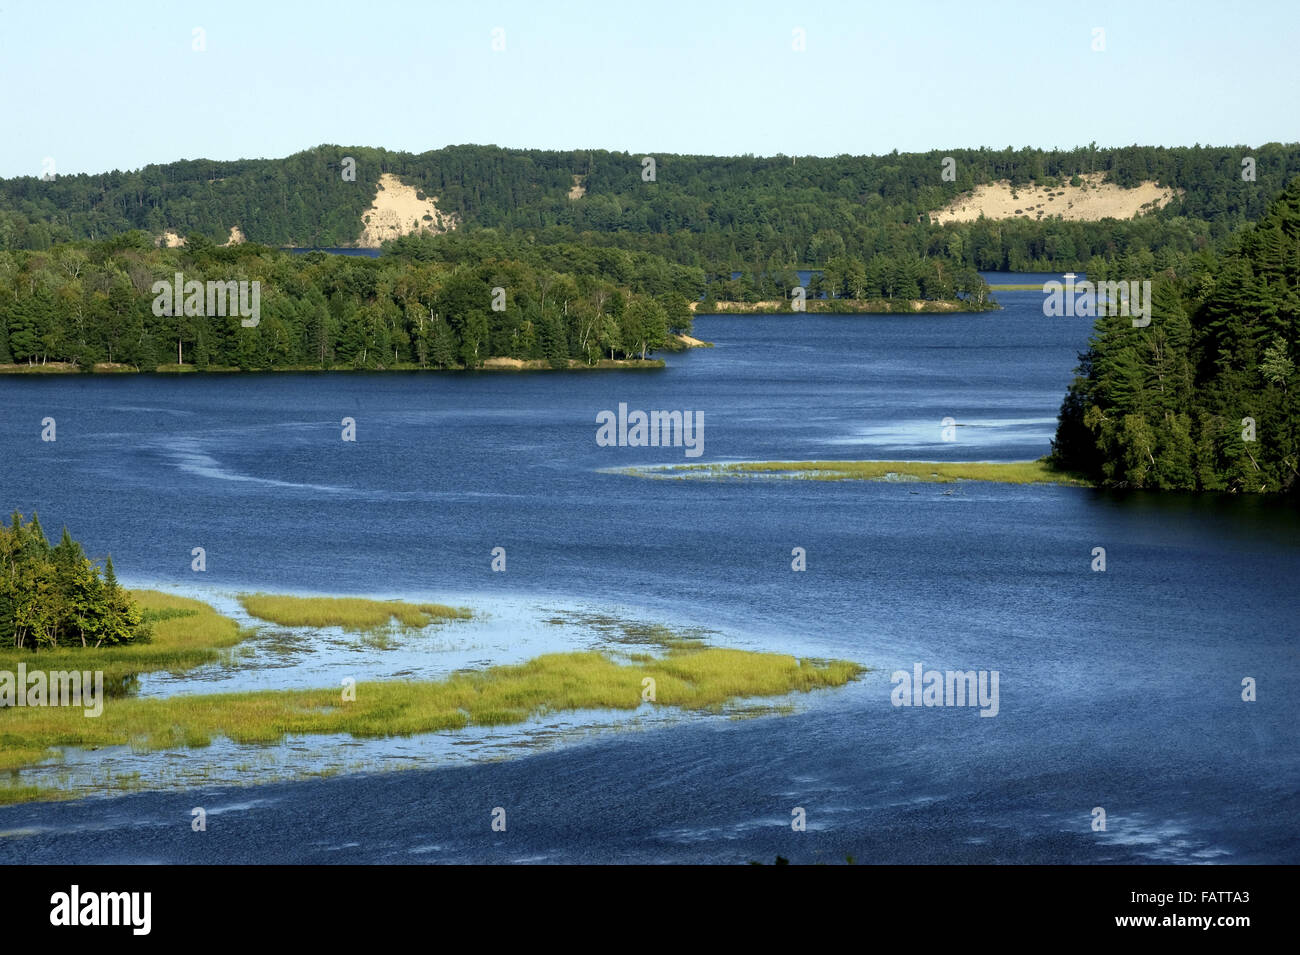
(105, 85)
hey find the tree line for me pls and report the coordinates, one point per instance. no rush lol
(1206, 397)
(94, 302)
(725, 212)
(448, 301)
(55, 596)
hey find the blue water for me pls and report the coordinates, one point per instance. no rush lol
(1027, 278)
(992, 277)
(805, 275)
(1119, 690)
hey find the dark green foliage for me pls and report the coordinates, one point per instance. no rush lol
(741, 212)
(428, 303)
(55, 596)
(1164, 406)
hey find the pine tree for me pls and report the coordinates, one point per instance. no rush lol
(1205, 396)
(52, 597)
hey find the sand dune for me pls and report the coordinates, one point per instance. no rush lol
(172, 240)
(1089, 202)
(398, 210)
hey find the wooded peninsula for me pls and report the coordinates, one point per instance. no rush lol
(530, 258)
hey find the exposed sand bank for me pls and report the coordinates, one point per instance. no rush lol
(398, 210)
(1090, 202)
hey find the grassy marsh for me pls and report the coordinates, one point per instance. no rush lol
(702, 678)
(355, 614)
(946, 472)
(186, 634)
(621, 631)
(688, 675)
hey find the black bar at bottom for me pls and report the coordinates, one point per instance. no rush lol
(329, 904)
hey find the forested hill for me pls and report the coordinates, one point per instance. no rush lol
(1207, 396)
(704, 211)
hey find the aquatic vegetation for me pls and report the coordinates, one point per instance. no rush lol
(934, 472)
(681, 672)
(702, 679)
(355, 614)
(619, 630)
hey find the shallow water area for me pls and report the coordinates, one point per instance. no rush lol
(1120, 689)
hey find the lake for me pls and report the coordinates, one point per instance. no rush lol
(1119, 690)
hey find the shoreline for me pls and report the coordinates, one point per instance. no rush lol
(921, 472)
(842, 306)
(594, 688)
(490, 365)
(676, 343)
